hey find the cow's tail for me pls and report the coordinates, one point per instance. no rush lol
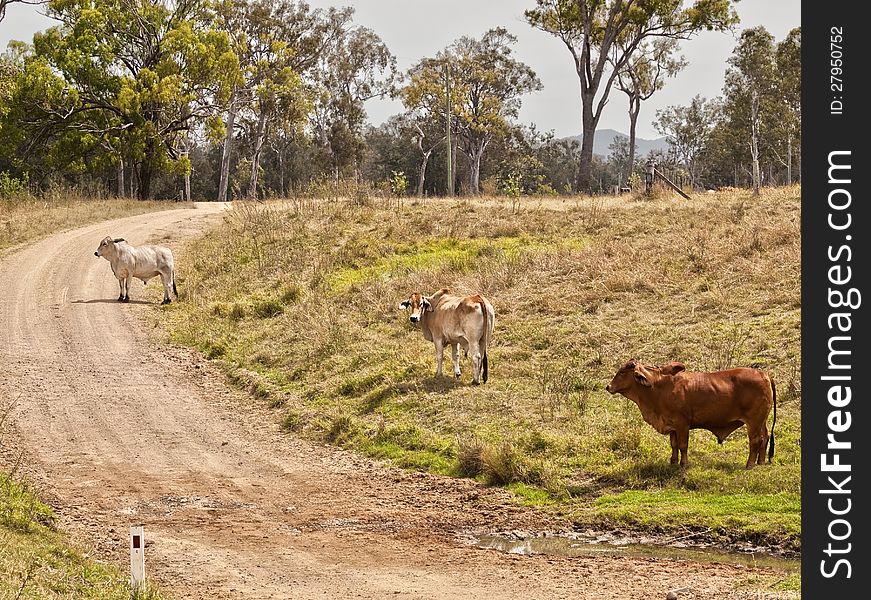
(488, 327)
(174, 290)
(771, 439)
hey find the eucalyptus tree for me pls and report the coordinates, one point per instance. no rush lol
(355, 66)
(603, 35)
(750, 80)
(642, 76)
(427, 132)
(279, 44)
(425, 118)
(787, 59)
(486, 86)
(137, 74)
(688, 129)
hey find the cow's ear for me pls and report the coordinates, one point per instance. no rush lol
(642, 379)
(427, 305)
(673, 368)
(404, 305)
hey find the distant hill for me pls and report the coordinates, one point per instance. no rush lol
(604, 137)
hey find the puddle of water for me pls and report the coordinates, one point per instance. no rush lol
(577, 546)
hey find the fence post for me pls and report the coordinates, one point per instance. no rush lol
(649, 177)
(137, 557)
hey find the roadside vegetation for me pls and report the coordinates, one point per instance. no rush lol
(37, 560)
(298, 300)
(25, 218)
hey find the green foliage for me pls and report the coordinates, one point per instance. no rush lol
(122, 80)
(398, 184)
(10, 187)
(511, 185)
(606, 35)
(688, 129)
(486, 84)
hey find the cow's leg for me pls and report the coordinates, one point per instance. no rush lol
(439, 352)
(763, 443)
(167, 286)
(758, 438)
(753, 440)
(683, 442)
(121, 291)
(672, 437)
(127, 281)
(455, 355)
(475, 352)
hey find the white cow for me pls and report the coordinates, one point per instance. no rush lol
(142, 262)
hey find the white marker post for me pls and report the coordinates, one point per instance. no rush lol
(137, 557)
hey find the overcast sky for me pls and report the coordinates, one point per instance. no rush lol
(413, 29)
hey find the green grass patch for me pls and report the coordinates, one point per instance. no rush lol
(531, 495)
(752, 516)
(459, 255)
(38, 561)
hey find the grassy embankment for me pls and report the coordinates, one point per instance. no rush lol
(299, 301)
(36, 559)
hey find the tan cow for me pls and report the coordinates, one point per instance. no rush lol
(674, 400)
(446, 319)
(142, 262)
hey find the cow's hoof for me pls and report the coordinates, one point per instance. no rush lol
(120, 298)
(126, 299)
(476, 383)
(167, 301)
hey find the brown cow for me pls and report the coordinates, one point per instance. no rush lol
(446, 319)
(674, 400)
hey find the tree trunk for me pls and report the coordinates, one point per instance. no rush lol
(146, 170)
(475, 174)
(788, 159)
(224, 181)
(754, 139)
(454, 165)
(134, 173)
(475, 154)
(588, 123)
(421, 173)
(634, 109)
(120, 170)
(280, 155)
(255, 159)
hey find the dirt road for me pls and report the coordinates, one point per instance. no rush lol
(120, 431)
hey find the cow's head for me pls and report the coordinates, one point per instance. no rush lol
(418, 304)
(107, 246)
(629, 375)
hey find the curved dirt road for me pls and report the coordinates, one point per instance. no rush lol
(119, 431)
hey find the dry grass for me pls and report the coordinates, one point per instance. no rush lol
(27, 218)
(303, 296)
